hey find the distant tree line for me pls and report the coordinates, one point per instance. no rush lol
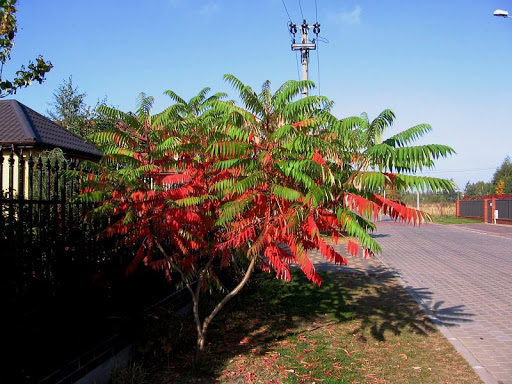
(410, 198)
(501, 183)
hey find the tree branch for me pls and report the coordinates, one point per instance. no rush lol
(230, 295)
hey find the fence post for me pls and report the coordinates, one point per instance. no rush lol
(30, 176)
(49, 235)
(39, 196)
(457, 208)
(20, 238)
(493, 210)
(11, 189)
(63, 198)
(1, 188)
(21, 176)
(56, 195)
(48, 194)
(486, 210)
(30, 199)
(70, 195)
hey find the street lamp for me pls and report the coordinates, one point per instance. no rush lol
(501, 13)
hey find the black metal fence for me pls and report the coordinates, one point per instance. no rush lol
(57, 281)
(504, 208)
(471, 208)
(39, 220)
(477, 209)
(62, 290)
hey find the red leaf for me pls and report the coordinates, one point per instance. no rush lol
(363, 206)
(330, 254)
(273, 254)
(136, 261)
(317, 158)
(398, 211)
(352, 248)
(172, 179)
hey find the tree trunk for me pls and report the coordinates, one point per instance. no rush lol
(201, 333)
(199, 347)
(202, 328)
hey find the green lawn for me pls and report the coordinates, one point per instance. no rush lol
(453, 220)
(352, 329)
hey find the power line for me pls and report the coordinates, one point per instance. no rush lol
(318, 39)
(300, 6)
(458, 170)
(286, 9)
(292, 36)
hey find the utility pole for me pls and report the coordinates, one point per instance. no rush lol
(304, 47)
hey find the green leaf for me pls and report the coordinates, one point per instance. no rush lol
(286, 193)
(247, 183)
(409, 135)
(191, 201)
(233, 209)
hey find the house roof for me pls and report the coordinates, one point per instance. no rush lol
(22, 126)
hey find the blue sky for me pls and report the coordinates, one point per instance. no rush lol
(446, 63)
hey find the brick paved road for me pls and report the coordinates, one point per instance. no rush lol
(464, 275)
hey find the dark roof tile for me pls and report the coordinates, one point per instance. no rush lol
(21, 125)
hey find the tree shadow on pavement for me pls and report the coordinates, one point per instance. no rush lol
(379, 235)
(387, 307)
(451, 316)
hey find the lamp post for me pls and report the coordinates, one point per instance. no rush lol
(501, 13)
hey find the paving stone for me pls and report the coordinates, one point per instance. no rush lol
(463, 274)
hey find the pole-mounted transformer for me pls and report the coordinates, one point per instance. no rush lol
(304, 47)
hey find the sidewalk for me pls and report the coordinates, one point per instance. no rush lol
(466, 270)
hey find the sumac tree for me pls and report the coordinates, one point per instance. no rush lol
(209, 183)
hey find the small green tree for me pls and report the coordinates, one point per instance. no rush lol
(504, 173)
(70, 110)
(24, 76)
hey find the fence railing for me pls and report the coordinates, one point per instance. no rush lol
(52, 268)
(39, 219)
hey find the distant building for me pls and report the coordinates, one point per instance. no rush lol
(28, 131)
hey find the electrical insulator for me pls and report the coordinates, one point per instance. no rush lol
(316, 29)
(305, 27)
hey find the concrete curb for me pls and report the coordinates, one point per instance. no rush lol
(101, 374)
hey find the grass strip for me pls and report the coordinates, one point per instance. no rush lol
(355, 328)
(453, 220)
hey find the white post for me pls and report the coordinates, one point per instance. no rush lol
(305, 57)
